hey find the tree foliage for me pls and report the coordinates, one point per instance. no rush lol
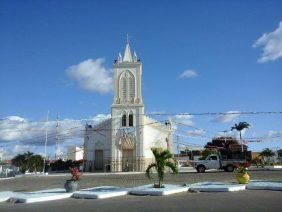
(207, 152)
(162, 160)
(222, 141)
(28, 162)
(60, 165)
(268, 153)
(228, 147)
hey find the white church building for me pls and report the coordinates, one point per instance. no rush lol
(124, 141)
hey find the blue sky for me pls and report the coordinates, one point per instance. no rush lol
(216, 40)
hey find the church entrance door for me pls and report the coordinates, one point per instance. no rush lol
(98, 160)
(127, 160)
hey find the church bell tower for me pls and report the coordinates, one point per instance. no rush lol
(127, 111)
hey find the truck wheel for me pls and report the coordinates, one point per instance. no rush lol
(230, 168)
(201, 169)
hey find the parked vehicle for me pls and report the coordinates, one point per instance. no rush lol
(214, 161)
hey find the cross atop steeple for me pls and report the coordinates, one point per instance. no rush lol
(127, 38)
(127, 57)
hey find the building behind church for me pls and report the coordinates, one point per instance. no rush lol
(124, 141)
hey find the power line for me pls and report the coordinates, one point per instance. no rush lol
(220, 113)
(64, 134)
(67, 133)
(171, 114)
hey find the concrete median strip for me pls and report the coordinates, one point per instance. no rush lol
(5, 195)
(100, 192)
(150, 190)
(39, 196)
(264, 185)
(114, 191)
(216, 187)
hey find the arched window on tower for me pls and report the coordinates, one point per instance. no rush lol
(127, 87)
(131, 88)
(123, 120)
(123, 87)
(130, 120)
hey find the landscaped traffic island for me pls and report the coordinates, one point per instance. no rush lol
(152, 191)
(102, 192)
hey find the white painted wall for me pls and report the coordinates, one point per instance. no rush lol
(74, 153)
(98, 138)
(154, 136)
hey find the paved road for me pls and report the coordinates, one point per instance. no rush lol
(238, 201)
(33, 183)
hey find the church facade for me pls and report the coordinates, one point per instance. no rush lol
(124, 141)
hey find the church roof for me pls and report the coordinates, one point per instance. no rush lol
(154, 123)
(102, 124)
(150, 122)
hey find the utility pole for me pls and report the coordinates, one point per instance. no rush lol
(84, 152)
(177, 140)
(46, 140)
(1, 153)
(242, 147)
(57, 139)
(225, 131)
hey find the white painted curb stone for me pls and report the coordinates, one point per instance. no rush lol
(100, 192)
(150, 190)
(264, 185)
(40, 196)
(5, 195)
(217, 187)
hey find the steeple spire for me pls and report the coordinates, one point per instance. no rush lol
(127, 57)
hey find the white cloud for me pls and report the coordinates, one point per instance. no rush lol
(196, 133)
(272, 45)
(157, 112)
(18, 129)
(15, 148)
(228, 117)
(91, 75)
(19, 149)
(228, 134)
(100, 117)
(184, 119)
(273, 133)
(189, 74)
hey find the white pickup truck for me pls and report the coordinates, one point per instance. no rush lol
(215, 162)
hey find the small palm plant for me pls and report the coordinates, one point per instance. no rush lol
(162, 160)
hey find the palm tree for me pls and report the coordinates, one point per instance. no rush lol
(24, 161)
(20, 161)
(162, 160)
(239, 127)
(268, 153)
(35, 163)
(28, 155)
